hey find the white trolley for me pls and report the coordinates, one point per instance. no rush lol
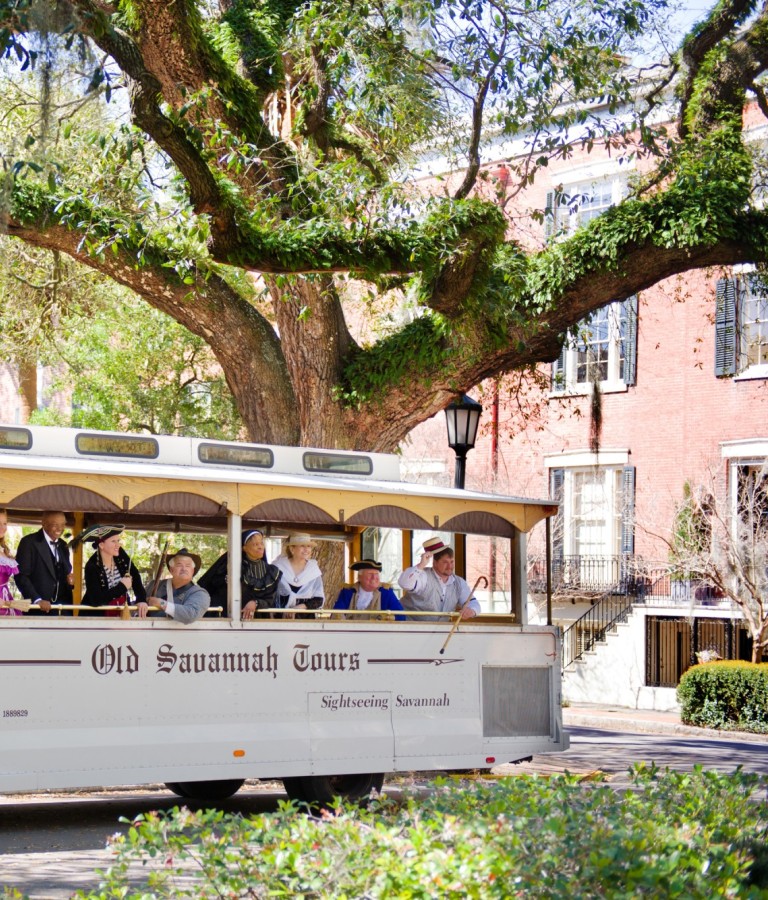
(329, 706)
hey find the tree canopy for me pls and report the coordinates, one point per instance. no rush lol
(248, 171)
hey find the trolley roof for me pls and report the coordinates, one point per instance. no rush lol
(189, 484)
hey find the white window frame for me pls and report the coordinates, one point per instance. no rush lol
(610, 464)
(751, 452)
(746, 372)
(566, 214)
(614, 383)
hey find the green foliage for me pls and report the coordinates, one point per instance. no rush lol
(123, 364)
(133, 368)
(728, 695)
(691, 532)
(673, 835)
(390, 362)
(700, 207)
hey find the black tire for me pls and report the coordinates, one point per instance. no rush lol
(294, 787)
(320, 790)
(205, 790)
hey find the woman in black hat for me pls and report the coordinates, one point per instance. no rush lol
(259, 579)
(110, 572)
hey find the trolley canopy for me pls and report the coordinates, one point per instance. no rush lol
(185, 484)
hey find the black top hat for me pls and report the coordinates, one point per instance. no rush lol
(95, 534)
(366, 564)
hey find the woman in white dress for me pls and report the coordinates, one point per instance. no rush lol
(301, 586)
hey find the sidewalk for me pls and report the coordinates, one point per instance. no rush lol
(644, 721)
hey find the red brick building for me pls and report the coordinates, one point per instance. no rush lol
(682, 371)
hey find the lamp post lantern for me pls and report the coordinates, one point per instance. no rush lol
(462, 418)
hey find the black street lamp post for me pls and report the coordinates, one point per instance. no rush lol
(462, 418)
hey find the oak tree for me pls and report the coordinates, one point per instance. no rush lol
(275, 139)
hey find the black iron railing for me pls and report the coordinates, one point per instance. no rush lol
(603, 616)
(612, 585)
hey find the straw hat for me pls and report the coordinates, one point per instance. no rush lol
(300, 540)
(434, 545)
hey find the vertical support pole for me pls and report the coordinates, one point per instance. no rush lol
(234, 560)
(460, 540)
(460, 549)
(356, 549)
(77, 562)
(548, 541)
(519, 577)
(407, 548)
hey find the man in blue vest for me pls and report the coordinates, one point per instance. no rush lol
(368, 593)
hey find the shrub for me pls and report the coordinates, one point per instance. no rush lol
(692, 835)
(725, 695)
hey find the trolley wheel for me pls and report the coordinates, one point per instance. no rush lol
(319, 790)
(205, 790)
(294, 787)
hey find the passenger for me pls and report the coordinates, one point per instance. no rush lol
(302, 583)
(437, 589)
(45, 569)
(178, 596)
(259, 579)
(8, 568)
(368, 593)
(109, 573)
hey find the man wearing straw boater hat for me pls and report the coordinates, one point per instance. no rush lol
(437, 589)
(368, 593)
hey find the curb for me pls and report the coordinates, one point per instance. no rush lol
(653, 726)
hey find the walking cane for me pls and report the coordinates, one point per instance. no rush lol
(458, 618)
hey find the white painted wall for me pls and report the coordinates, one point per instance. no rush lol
(614, 673)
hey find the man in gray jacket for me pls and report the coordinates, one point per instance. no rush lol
(437, 589)
(178, 596)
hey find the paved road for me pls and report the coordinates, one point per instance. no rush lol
(51, 846)
(614, 752)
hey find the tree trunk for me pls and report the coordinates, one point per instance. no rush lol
(27, 388)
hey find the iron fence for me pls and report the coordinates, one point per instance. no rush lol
(613, 584)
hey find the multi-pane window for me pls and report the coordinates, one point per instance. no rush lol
(741, 327)
(601, 349)
(574, 205)
(754, 329)
(751, 498)
(595, 520)
(596, 517)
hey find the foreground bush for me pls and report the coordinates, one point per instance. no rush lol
(725, 695)
(697, 835)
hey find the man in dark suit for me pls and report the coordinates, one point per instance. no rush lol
(45, 570)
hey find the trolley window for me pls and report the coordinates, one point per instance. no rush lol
(15, 439)
(109, 445)
(253, 457)
(335, 462)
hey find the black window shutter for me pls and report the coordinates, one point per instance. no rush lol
(558, 369)
(629, 366)
(628, 510)
(725, 327)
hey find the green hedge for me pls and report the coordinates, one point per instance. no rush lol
(728, 695)
(672, 835)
